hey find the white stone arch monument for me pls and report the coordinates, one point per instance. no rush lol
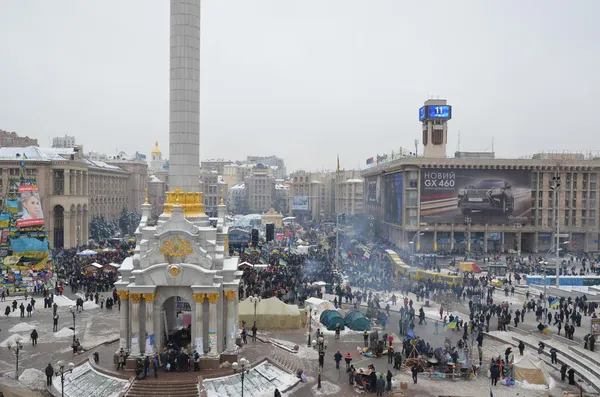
(183, 256)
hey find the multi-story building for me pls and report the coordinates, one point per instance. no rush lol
(213, 189)
(260, 188)
(275, 163)
(237, 199)
(72, 189)
(348, 194)
(282, 197)
(137, 171)
(488, 204)
(63, 142)
(307, 195)
(156, 195)
(11, 139)
(214, 165)
(234, 174)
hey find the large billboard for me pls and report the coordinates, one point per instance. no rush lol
(498, 197)
(392, 198)
(30, 208)
(300, 203)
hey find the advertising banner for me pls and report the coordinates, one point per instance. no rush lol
(498, 197)
(300, 203)
(30, 208)
(372, 190)
(595, 326)
(393, 196)
(24, 249)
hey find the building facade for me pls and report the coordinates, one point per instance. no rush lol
(307, 195)
(217, 165)
(277, 164)
(260, 188)
(503, 205)
(11, 139)
(213, 189)
(63, 142)
(348, 195)
(137, 180)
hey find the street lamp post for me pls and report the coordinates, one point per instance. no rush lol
(555, 186)
(468, 223)
(16, 348)
(554, 246)
(60, 370)
(309, 325)
(413, 242)
(244, 366)
(74, 313)
(254, 300)
(320, 344)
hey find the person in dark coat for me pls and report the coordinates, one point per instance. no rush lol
(592, 342)
(337, 357)
(521, 347)
(277, 393)
(553, 353)
(390, 354)
(563, 372)
(414, 370)
(571, 373)
(389, 380)
(49, 374)
(495, 374)
(348, 360)
(34, 337)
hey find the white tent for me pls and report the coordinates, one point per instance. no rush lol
(270, 313)
(532, 370)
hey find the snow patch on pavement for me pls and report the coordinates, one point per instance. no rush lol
(33, 378)
(22, 327)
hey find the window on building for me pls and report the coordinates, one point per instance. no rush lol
(437, 137)
(425, 137)
(593, 181)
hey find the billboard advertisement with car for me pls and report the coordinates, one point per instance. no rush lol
(478, 196)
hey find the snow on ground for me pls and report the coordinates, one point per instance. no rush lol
(63, 301)
(33, 378)
(12, 339)
(327, 389)
(65, 332)
(22, 327)
(88, 305)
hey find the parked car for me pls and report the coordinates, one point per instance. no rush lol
(487, 195)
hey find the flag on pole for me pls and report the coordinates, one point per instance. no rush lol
(338, 162)
(555, 303)
(282, 262)
(452, 324)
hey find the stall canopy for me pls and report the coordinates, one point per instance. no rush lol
(330, 318)
(469, 267)
(531, 370)
(319, 304)
(357, 321)
(270, 313)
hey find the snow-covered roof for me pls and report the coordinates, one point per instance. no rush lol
(280, 186)
(315, 181)
(154, 178)
(354, 181)
(101, 164)
(238, 186)
(35, 153)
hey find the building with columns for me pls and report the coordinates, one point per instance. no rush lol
(72, 189)
(182, 258)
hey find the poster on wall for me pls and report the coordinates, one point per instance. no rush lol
(212, 342)
(393, 197)
(372, 191)
(300, 203)
(498, 197)
(24, 248)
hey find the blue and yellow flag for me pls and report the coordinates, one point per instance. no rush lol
(555, 303)
(247, 251)
(262, 260)
(282, 262)
(452, 324)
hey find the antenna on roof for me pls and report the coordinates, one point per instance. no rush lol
(458, 149)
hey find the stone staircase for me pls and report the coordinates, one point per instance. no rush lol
(164, 388)
(585, 365)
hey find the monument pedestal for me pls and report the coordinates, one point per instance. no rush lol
(209, 363)
(231, 357)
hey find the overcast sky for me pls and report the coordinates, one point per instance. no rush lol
(306, 80)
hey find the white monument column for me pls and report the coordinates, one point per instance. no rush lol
(184, 103)
(135, 324)
(212, 325)
(199, 323)
(124, 319)
(230, 327)
(149, 304)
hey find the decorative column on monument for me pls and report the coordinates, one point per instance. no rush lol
(135, 324)
(230, 327)
(124, 321)
(199, 318)
(149, 304)
(212, 325)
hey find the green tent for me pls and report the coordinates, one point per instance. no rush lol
(330, 318)
(357, 321)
